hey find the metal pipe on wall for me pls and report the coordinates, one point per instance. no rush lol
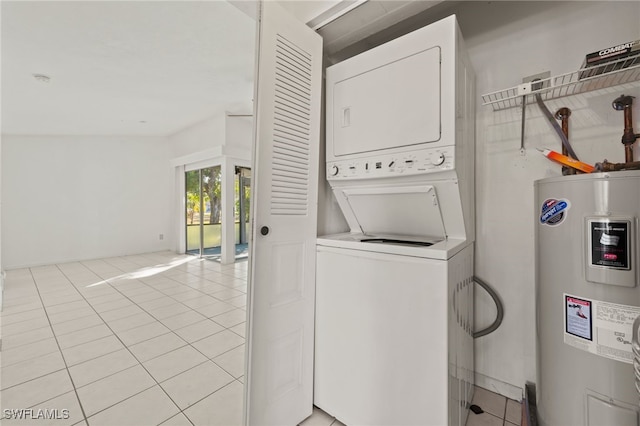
(563, 115)
(625, 104)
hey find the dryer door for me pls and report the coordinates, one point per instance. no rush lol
(392, 105)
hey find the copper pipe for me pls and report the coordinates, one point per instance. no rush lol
(606, 166)
(625, 103)
(563, 114)
(628, 154)
(628, 137)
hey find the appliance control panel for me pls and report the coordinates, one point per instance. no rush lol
(387, 165)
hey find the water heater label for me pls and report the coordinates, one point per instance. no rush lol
(599, 327)
(578, 317)
(554, 211)
(610, 243)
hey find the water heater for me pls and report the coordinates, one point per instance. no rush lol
(588, 297)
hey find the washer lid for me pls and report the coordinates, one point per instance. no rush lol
(412, 211)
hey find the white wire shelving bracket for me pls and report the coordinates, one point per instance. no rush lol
(625, 70)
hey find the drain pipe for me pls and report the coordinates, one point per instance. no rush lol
(500, 309)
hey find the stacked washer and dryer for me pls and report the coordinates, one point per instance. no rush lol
(394, 296)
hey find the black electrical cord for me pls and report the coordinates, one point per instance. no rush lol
(500, 308)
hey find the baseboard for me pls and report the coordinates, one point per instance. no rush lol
(62, 261)
(499, 387)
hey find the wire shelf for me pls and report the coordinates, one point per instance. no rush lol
(625, 70)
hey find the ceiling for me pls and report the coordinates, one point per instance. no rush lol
(123, 67)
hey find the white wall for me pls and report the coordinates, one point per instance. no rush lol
(232, 134)
(508, 41)
(200, 137)
(71, 198)
(239, 133)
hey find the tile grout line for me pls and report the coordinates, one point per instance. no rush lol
(6, 302)
(3, 318)
(189, 308)
(25, 359)
(120, 402)
(186, 285)
(32, 300)
(190, 343)
(28, 331)
(140, 326)
(171, 331)
(128, 350)
(181, 303)
(59, 348)
(196, 349)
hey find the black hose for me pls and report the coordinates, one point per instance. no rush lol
(556, 126)
(500, 308)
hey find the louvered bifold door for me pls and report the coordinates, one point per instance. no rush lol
(291, 130)
(281, 292)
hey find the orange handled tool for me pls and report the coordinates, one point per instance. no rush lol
(567, 161)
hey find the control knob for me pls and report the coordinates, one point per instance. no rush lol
(437, 158)
(333, 170)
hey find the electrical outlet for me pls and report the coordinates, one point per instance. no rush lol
(543, 76)
(161, 236)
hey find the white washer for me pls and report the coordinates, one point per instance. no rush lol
(393, 337)
(394, 296)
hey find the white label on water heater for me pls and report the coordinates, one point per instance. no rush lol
(599, 327)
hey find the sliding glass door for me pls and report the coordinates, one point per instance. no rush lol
(203, 193)
(241, 210)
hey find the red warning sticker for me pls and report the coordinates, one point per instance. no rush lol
(578, 317)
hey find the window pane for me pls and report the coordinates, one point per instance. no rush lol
(192, 203)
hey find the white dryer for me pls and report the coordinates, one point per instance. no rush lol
(394, 296)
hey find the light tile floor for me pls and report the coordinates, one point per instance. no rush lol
(139, 340)
(134, 340)
(498, 410)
